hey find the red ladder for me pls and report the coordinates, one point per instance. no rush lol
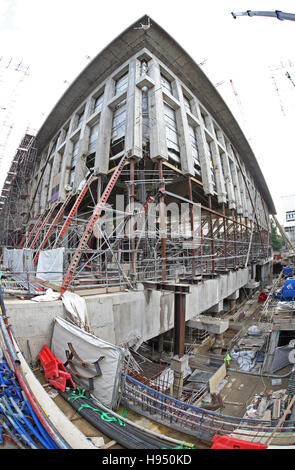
(42, 226)
(50, 230)
(31, 232)
(90, 226)
(74, 210)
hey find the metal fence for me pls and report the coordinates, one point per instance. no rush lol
(194, 420)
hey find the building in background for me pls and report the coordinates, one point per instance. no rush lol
(287, 215)
(142, 129)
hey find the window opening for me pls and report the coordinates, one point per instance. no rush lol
(166, 84)
(122, 83)
(171, 134)
(118, 129)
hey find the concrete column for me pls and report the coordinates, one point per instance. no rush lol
(102, 153)
(158, 145)
(203, 154)
(226, 173)
(65, 163)
(81, 169)
(218, 344)
(235, 180)
(186, 156)
(178, 365)
(233, 299)
(133, 137)
(216, 308)
(243, 191)
(219, 179)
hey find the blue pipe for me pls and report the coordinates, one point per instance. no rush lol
(29, 425)
(19, 429)
(39, 426)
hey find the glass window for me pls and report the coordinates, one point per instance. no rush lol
(171, 133)
(187, 104)
(290, 216)
(97, 103)
(118, 128)
(74, 161)
(166, 84)
(195, 152)
(122, 83)
(93, 138)
(80, 119)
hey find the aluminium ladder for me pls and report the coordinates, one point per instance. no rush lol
(74, 210)
(52, 225)
(90, 226)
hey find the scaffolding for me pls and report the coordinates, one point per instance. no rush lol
(137, 242)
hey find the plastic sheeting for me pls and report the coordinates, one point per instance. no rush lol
(76, 307)
(13, 260)
(50, 265)
(245, 359)
(90, 348)
(47, 297)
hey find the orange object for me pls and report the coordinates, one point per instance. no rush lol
(226, 442)
(55, 372)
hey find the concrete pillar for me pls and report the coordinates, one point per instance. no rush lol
(65, 164)
(158, 146)
(133, 138)
(235, 180)
(233, 299)
(219, 179)
(102, 152)
(81, 169)
(216, 308)
(178, 365)
(218, 344)
(186, 155)
(203, 153)
(227, 173)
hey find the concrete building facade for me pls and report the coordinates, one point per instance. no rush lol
(145, 99)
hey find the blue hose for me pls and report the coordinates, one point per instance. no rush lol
(20, 417)
(50, 443)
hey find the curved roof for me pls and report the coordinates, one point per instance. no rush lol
(178, 61)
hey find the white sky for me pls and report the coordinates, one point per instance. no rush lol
(54, 38)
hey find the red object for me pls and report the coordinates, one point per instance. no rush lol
(262, 297)
(226, 442)
(55, 372)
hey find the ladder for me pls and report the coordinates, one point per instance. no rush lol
(90, 226)
(74, 210)
(31, 232)
(50, 230)
(42, 226)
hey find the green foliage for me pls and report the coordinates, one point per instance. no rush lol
(277, 241)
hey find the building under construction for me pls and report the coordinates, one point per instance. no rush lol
(141, 194)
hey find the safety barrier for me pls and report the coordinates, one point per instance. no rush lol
(192, 419)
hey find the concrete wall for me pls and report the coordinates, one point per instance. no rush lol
(120, 317)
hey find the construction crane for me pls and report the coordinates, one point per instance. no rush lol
(280, 15)
(290, 78)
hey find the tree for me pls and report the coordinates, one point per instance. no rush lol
(277, 241)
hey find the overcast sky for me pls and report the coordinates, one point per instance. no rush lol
(57, 38)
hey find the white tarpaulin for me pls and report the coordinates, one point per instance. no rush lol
(13, 260)
(76, 307)
(7, 258)
(50, 265)
(47, 297)
(90, 349)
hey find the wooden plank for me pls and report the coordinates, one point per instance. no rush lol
(215, 380)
